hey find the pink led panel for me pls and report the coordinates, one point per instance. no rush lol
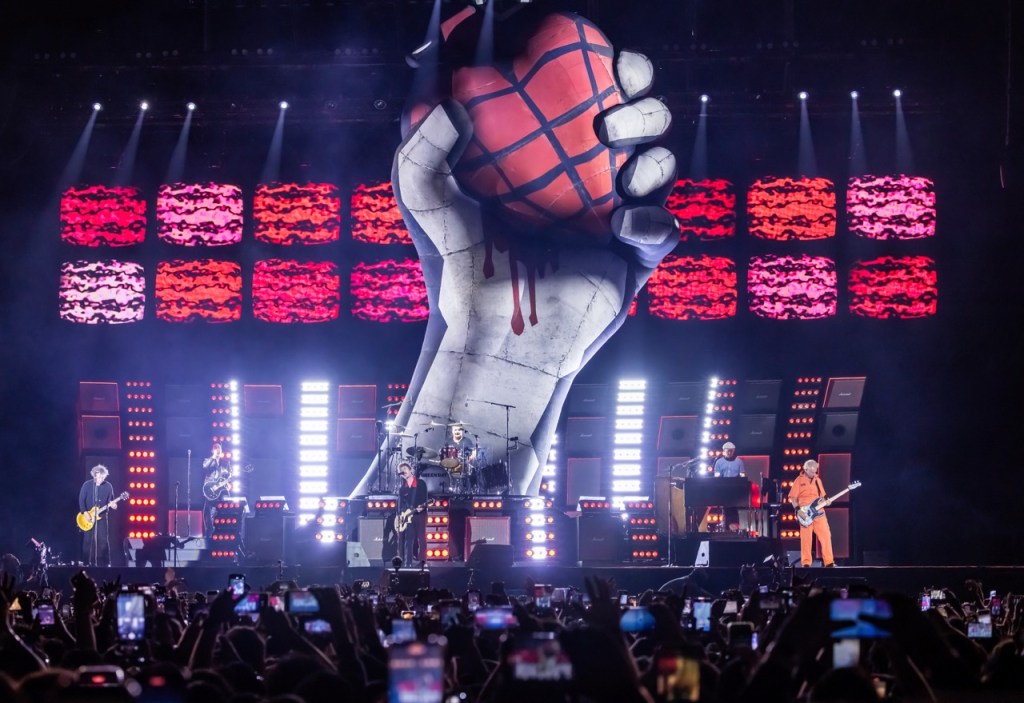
(290, 213)
(891, 207)
(375, 216)
(109, 292)
(293, 291)
(199, 214)
(792, 287)
(693, 288)
(93, 216)
(389, 291)
(205, 289)
(706, 209)
(787, 209)
(894, 288)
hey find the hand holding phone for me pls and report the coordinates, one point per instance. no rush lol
(236, 582)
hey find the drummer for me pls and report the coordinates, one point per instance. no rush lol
(464, 445)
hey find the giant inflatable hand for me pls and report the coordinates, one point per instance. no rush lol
(520, 302)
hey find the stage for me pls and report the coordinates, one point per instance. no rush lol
(458, 578)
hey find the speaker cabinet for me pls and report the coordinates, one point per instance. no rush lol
(267, 537)
(185, 400)
(838, 431)
(357, 436)
(839, 524)
(844, 393)
(759, 397)
(357, 402)
(589, 399)
(486, 530)
(491, 557)
(755, 434)
(97, 397)
(582, 478)
(677, 434)
(688, 398)
(375, 535)
(184, 433)
(263, 401)
(99, 432)
(600, 539)
(834, 470)
(585, 436)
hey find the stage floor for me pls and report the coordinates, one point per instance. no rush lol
(457, 577)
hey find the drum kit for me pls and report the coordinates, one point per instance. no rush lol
(457, 466)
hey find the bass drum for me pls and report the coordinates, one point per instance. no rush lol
(450, 458)
(493, 478)
(436, 478)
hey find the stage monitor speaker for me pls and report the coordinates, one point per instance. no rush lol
(490, 557)
(677, 434)
(98, 397)
(838, 431)
(99, 433)
(263, 401)
(687, 398)
(481, 530)
(600, 539)
(754, 434)
(834, 470)
(188, 523)
(793, 558)
(185, 400)
(589, 400)
(355, 556)
(267, 537)
(844, 393)
(582, 478)
(839, 524)
(357, 402)
(373, 535)
(185, 433)
(585, 436)
(357, 436)
(759, 397)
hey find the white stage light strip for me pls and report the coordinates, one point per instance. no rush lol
(236, 441)
(314, 401)
(627, 452)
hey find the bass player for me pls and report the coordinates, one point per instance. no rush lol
(805, 490)
(412, 495)
(96, 493)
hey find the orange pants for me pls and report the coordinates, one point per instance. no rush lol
(819, 527)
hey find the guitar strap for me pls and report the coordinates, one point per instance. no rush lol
(817, 484)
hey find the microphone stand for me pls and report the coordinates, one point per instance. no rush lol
(175, 519)
(188, 498)
(95, 525)
(380, 458)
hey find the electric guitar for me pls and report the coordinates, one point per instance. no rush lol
(87, 519)
(217, 484)
(404, 518)
(805, 514)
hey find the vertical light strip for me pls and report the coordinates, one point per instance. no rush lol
(235, 456)
(708, 425)
(627, 453)
(548, 482)
(313, 454)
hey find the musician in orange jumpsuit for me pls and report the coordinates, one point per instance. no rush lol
(805, 490)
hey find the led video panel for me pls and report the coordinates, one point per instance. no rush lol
(199, 214)
(291, 213)
(206, 289)
(375, 215)
(792, 209)
(293, 291)
(693, 288)
(891, 207)
(894, 287)
(792, 287)
(96, 215)
(102, 292)
(706, 209)
(389, 291)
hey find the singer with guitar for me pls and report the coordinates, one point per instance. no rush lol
(95, 498)
(216, 478)
(412, 495)
(806, 489)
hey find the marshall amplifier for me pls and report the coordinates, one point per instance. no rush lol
(600, 539)
(375, 536)
(486, 531)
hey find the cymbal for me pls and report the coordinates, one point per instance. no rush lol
(450, 423)
(421, 453)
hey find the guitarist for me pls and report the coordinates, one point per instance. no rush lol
(412, 495)
(96, 493)
(805, 490)
(215, 469)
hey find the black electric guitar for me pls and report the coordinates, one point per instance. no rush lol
(88, 519)
(216, 485)
(404, 518)
(806, 513)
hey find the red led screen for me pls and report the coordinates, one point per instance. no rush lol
(792, 287)
(693, 288)
(290, 213)
(891, 207)
(389, 291)
(706, 210)
(785, 209)
(93, 216)
(199, 214)
(894, 288)
(293, 291)
(94, 292)
(208, 290)
(375, 216)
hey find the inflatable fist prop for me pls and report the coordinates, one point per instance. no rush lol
(535, 207)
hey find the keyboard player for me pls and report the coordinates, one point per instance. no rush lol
(728, 466)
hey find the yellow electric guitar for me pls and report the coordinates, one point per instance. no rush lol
(88, 519)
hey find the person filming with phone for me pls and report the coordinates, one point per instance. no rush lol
(806, 489)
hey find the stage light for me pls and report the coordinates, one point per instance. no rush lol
(854, 94)
(283, 104)
(144, 106)
(96, 107)
(802, 95)
(897, 93)
(704, 98)
(190, 106)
